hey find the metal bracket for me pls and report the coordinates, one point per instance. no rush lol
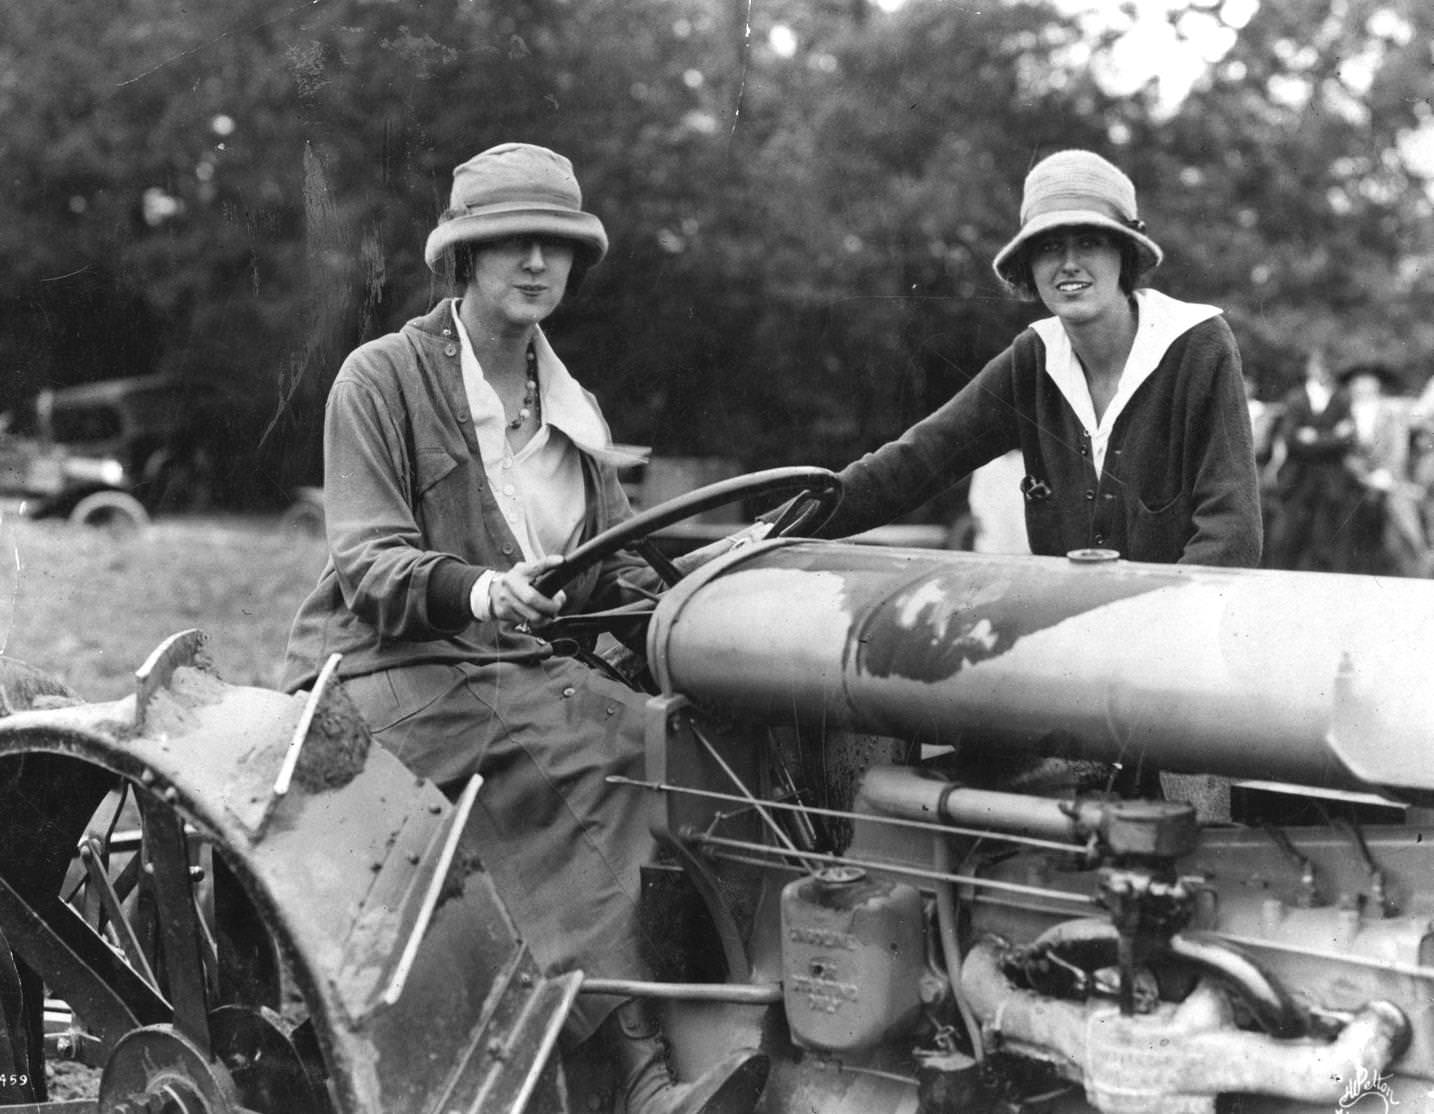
(285, 777)
(385, 938)
(502, 1067)
(92, 856)
(174, 653)
(81, 966)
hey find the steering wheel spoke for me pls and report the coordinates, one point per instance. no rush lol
(821, 488)
(597, 622)
(823, 484)
(660, 563)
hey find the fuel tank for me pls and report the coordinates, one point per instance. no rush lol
(1310, 678)
(852, 959)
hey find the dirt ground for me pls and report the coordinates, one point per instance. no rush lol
(88, 607)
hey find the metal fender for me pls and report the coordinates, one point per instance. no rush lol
(415, 988)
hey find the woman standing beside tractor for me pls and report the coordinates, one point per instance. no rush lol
(1127, 405)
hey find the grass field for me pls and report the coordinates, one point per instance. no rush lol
(88, 607)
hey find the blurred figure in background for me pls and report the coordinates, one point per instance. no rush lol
(1264, 419)
(1307, 471)
(997, 511)
(1422, 412)
(1421, 452)
(1386, 533)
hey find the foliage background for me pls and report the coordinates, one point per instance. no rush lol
(802, 237)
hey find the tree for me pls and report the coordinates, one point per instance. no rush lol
(803, 196)
(1292, 197)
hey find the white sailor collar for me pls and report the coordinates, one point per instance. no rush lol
(1162, 320)
(568, 406)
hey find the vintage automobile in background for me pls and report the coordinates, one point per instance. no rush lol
(942, 832)
(112, 452)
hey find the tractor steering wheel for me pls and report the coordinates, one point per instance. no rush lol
(821, 488)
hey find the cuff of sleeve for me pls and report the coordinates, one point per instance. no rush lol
(450, 589)
(480, 600)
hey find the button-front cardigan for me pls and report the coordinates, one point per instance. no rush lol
(1179, 482)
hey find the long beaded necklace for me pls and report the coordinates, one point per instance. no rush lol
(531, 404)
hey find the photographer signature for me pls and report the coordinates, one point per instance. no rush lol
(1367, 1084)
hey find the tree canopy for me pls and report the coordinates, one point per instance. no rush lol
(803, 196)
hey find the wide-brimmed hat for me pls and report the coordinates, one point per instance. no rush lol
(1077, 188)
(1389, 379)
(516, 189)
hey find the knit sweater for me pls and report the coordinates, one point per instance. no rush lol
(1179, 482)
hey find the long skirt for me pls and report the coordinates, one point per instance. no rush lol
(563, 847)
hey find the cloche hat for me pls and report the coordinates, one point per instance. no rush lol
(1077, 188)
(516, 189)
(1389, 379)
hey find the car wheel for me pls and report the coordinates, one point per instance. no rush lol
(304, 518)
(122, 515)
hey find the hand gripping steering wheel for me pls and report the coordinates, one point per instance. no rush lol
(819, 493)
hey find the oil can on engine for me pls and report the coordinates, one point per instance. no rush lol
(853, 955)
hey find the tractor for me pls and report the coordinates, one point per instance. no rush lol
(941, 832)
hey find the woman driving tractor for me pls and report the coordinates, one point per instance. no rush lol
(461, 461)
